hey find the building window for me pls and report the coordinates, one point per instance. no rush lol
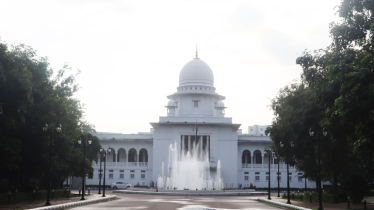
(110, 176)
(132, 176)
(300, 179)
(110, 170)
(121, 176)
(142, 176)
(133, 171)
(251, 129)
(246, 172)
(257, 178)
(246, 178)
(195, 103)
(267, 178)
(121, 170)
(143, 171)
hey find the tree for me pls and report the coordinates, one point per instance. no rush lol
(339, 94)
(29, 97)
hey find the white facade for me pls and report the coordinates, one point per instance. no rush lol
(137, 158)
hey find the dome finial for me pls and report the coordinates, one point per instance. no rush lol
(196, 52)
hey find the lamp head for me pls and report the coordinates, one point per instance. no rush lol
(45, 127)
(58, 128)
(109, 150)
(311, 132)
(281, 144)
(89, 141)
(324, 131)
(292, 144)
(79, 141)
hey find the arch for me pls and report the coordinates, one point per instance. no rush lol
(143, 155)
(246, 157)
(121, 155)
(111, 157)
(257, 157)
(266, 158)
(132, 155)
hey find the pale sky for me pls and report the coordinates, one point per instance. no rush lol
(131, 52)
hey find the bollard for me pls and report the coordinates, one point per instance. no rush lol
(67, 192)
(89, 190)
(33, 195)
(364, 203)
(348, 203)
(9, 197)
(79, 191)
(301, 197)
(293, 196)
(310, 197)
(53, 192)
(156, 189)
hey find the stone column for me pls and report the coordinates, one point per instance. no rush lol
(263, 160)
(252, 161)
(189, 144)
(137, 157)
(208, 146)
(127, 157)
(201, 146)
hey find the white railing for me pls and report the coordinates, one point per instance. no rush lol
(144, 164)
(121, 164)
(257, 165)
(132, 163)
(246, 165)
(110, 163)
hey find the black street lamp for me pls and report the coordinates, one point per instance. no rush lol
(270, 154)
(100, 172)
(311, 133)
(104, 154)
(278, 159)
(45, 129)
(287, 149)
(84, 144)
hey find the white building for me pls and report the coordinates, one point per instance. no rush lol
(137, 158)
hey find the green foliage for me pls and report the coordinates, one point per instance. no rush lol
(337, 92)
(17, 198)
(29, 97)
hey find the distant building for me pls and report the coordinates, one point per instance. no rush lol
(137, 158)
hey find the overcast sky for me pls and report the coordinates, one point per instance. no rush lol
(131, 52)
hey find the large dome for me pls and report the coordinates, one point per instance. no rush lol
(196, 72)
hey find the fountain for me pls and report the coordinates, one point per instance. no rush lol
(191, 171)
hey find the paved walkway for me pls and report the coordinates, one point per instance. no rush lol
(165, 202)
(38, 204)
(326, 206)
(144, 191)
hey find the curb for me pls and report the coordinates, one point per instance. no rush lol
(191, 194)
(79, 203)
(282, 204)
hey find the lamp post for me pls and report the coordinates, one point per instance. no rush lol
(45, 129)
(100, 172)
(287, 149)
(311, 133)
(104, 154)
(269, 153)
(277, 157)
(84, 144)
